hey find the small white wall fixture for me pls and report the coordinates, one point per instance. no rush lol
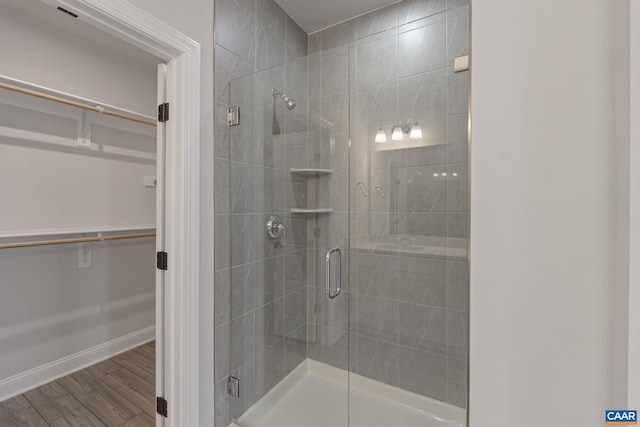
(182, 135)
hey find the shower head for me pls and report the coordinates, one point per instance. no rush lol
(289, 102)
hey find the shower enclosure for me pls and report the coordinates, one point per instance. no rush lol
(341, 227)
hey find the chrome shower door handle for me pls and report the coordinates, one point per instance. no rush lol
(338, 273)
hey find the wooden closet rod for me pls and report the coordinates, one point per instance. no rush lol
(95, 108)
(75, 240)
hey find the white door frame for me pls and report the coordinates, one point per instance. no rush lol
(182, 210)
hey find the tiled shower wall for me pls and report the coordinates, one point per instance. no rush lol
(408, 312)
(260, 313)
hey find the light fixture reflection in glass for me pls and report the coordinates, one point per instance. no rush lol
(416, 132)
(381, 136)
(397, 134)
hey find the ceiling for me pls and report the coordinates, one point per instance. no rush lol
(43, 14)
(315, 15)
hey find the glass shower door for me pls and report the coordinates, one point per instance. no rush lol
(283, 267)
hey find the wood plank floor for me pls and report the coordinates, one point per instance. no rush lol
(114, 393)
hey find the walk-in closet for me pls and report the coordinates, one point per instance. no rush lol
(78, 236)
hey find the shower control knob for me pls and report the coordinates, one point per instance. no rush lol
(275, 227)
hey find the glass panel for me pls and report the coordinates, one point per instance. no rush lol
(409, 224)
(286, 182)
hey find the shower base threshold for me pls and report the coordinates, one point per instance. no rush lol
(318, 395)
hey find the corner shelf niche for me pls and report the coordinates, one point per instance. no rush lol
(310, 173)
(307, 171)
(311, 211)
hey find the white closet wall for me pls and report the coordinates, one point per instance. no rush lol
(51, 311)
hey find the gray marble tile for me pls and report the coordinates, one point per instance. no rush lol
(296, 265)
(377, 318)
(270, 141)
(222, 177)
(423, 224)
(457, 138)
(334, 71)
(296, 120)
(423, 96)
(229, 67)
(421, 156)
(315, 42)
(222, 404)
(295, 78)
(457, 188)
(269, 48)
(423, 373)
(377, 275)
(419, 23)
(457, 92)
(247, 376)
(377, 360)
(269, 368)
(272, 17)
(457, 8)
(222, 247)
(377, 21)
(269, 324)
(269, 280)
(458, 286)
(295, 307)
(335, 312)
(242, 293)
(457, 383)
(242, 140)
(241, 181)
(422, 281)
(377, 60)
(296, 235)
(222, 351)
(268, 190)
(295, 348)
(222, 136)
(335, 347)
(242, 245)
(314, 89)
(377, 105)
(296, 40)
(242, 94)
(458, 335)
(411, 10)
(458, 225)
(457, 36)
(419, 189)
(265, 107)
(338, 35)
(235, 29)
(422, 50)
(222, 291)
(265, 247)
(242, 340)
(423, 327)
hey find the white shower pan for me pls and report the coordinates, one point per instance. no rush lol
(319, 395)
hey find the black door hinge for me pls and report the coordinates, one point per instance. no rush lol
(163, 112)
(161, 406)
(162, 260)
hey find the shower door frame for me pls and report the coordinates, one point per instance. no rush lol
(179, 328)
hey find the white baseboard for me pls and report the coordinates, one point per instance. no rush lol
(44, 374)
